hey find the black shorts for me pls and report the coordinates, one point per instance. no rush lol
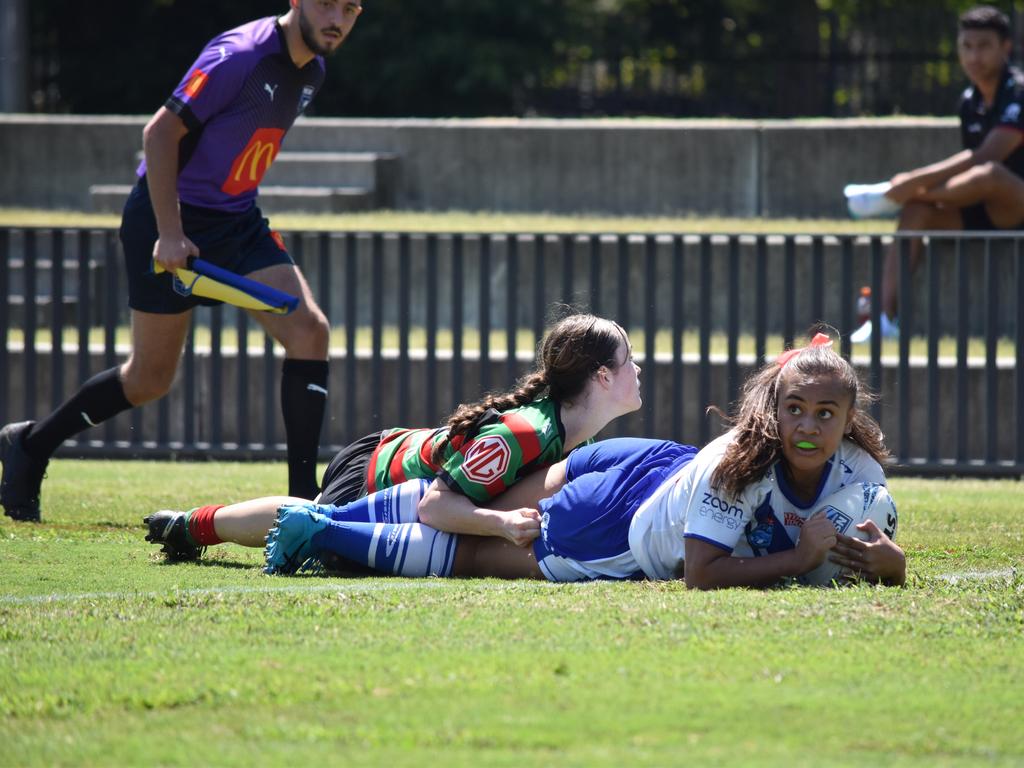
(976, 218)
(240, 242)
(345, 477)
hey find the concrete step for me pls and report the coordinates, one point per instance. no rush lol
(109, 198)
(376, 171)
(328, 169)
(331, 169)
(275, 199)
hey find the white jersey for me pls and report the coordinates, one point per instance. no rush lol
(766, 517)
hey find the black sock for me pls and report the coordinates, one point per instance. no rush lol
(303, 402)
(100, 398)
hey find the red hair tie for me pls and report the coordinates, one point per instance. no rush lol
(819, 340)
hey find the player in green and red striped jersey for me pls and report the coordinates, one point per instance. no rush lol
(501, 447)
(584, 379)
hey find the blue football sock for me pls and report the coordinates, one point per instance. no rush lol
(404, 549)
(397, 504)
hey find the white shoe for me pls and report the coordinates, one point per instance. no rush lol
(868, 201)
(862, 334)
(890, 330)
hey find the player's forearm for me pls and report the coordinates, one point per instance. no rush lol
(907, 184)
(160, 145)
(529, 491)
(454, 513)
(727, 571)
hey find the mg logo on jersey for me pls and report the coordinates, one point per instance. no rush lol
(487, 459)
(253, 161)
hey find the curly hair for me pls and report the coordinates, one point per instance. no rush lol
(756, 444)
(572, 351)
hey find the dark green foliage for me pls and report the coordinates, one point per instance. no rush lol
(117, 57)
(744, 58)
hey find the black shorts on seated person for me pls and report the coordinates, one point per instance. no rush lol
(975, 218)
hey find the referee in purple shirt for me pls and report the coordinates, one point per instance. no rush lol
(206, 151)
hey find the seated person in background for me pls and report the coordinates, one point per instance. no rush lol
(979, 188)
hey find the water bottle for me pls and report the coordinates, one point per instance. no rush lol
(864, 304)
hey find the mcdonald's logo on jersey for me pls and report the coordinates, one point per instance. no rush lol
(253, 161)
(196, 83)
(487, 459)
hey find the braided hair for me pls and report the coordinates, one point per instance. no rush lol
(569, 355)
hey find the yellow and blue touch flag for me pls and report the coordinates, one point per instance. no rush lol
(201, 278)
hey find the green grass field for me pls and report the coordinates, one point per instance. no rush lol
(108, 656)
(485, 221)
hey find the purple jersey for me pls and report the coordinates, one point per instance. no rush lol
(238, 100)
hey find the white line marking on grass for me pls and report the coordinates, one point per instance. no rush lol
(298, 589)
(1003, 574)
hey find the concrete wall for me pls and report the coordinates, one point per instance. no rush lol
(50, 161)
(642, 167)
(805, 164)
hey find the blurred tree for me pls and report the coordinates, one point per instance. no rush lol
(754, 58)
(447, 57)
(116, 57)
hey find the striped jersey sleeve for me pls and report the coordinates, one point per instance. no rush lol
(403, 454)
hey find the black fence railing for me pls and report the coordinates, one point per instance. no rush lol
(422, 322)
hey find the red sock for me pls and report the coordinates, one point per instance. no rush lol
(200, 525)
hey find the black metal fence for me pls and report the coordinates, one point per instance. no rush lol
(422, 322)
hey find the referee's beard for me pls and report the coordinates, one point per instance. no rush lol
(309, 37)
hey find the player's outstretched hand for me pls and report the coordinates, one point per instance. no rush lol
(172, 251)
(817, 537)
(521, 526)
(878, 559)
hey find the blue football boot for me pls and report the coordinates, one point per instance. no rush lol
(290, 541)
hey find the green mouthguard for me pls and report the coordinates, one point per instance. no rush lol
(805, 444)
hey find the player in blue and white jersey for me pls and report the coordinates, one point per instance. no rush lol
(742, 512)
(206, 151)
